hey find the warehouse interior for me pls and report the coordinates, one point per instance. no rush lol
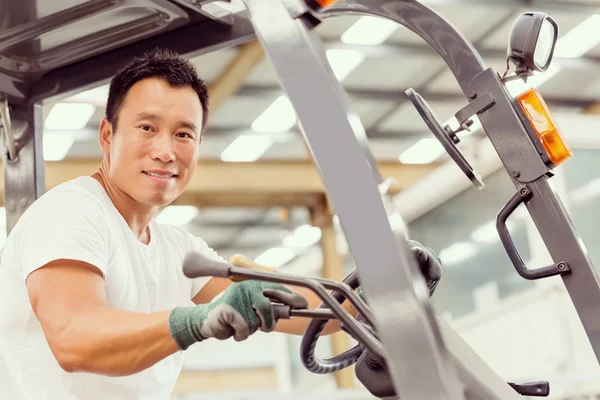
(257, 191)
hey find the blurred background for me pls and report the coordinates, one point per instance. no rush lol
(257, 193)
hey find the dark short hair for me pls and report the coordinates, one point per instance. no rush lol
(158, 63)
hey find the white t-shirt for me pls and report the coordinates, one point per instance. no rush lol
(77, 220)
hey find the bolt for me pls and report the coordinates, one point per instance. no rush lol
(12, 207)
(23, 66)
(472, 94)
(23, 203)
(524, 192)
(516, 174)
(562, 266)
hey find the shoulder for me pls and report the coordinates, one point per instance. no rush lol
(78, 193)
(67, 222)
(71, 203)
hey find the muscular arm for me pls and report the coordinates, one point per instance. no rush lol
(84, 333)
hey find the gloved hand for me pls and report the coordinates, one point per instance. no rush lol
(242, 309)
(429, 264)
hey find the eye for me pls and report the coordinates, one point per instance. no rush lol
(185, 134)
(146, 127)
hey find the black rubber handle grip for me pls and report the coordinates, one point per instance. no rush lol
(520, 197)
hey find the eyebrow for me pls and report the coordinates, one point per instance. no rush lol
(154, 117)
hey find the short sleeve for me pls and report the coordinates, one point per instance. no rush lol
(202, 247)
(66, 225)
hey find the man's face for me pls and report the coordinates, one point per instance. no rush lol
(154, 151)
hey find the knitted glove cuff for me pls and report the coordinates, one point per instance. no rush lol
(185, 324)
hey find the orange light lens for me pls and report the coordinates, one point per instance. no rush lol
(538, 114)
(325, 3)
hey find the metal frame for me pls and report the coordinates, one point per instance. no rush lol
(519, 154)
(326, 125)
(426, 359)
(24, 178)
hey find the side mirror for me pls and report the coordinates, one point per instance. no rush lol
(532, 41)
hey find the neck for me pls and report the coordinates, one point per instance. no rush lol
(136, 215)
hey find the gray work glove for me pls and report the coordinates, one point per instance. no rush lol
(430, 266)
(242, 310)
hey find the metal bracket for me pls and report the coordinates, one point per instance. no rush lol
(479, 105)
(506, 130)
(7, 130)
(305, 11)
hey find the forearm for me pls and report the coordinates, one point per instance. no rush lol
(297, 326)
(113, 342)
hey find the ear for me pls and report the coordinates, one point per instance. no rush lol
(106, 135)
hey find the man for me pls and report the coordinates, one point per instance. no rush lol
(94, 302)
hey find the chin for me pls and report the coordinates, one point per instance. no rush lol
(162, 202)
(158, 200)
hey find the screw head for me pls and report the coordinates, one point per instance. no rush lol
(516, 174)
(23, 66)
(472, 94)
(562, 266)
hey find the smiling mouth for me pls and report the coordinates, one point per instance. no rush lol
(159, 175)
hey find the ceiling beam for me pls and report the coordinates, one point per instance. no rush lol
(294, 134)
(235, 74)
(592, 109)
(400, 96)
(191, 382)
(258, 184)
(393, 50)
(425, 85)
(400, 50)
(549, 6)
(577, 6)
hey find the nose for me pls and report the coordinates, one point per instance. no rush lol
(162, 149)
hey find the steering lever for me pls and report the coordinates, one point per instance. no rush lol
(283, 311)
(196, 265)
